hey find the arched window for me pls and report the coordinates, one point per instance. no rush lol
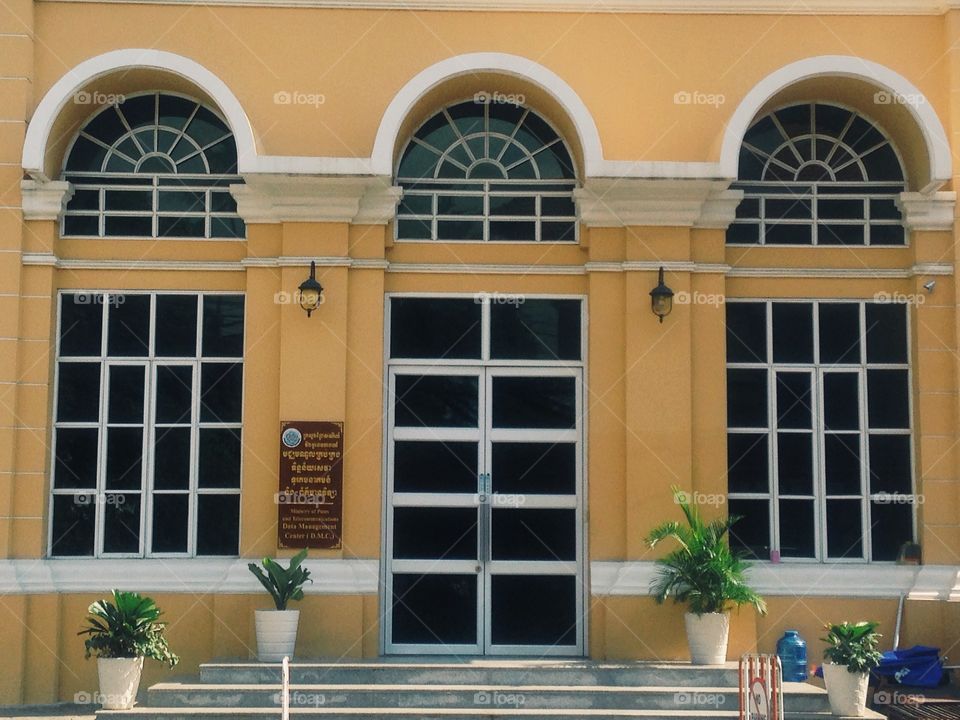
(818, 174)
(153, 165)
(479, 171)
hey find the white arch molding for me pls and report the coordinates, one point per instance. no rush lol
(47, 112)
(882, 77)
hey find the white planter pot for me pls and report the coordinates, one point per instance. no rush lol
(847, 691)
(119, 681)
(707, 637)
(276, 634)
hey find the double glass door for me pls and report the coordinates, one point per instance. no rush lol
(484, 537)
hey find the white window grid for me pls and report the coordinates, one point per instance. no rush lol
(101, 494)
(820, 497)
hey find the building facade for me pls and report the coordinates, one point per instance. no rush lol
(488, 191)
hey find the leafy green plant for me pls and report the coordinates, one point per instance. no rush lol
(126, 626)
(702, 572)
(283, 583)
(853, 645)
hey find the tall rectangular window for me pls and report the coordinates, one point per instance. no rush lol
(819, 444)
(147, 431)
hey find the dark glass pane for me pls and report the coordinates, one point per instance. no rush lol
(887, 235)
(121, 523)
(749, 208)
(420, 466)
(793, 400)
(535, 329)
(436, 401)
(459, 230)
(435, 609)
(78, 392)
(176, 326)
(844, 529)
(534, 402)
(746, 332)
(846, 209)
(81, 225)
(434, 328)
(839, 333)
(174, 393)
(795, 463)
(888, 399)
(512, 230)
(890, 464)
(76, 463)
(86, 155)
(218, 524)
(840, 234)
(842, 460)
(746, 398)
(885, 209)
(534, 468)
(174, 111)
(222, 202)
(219, 465)
(748, 463)
(73, 524)
(226, 227)
(416, 205)
(126, 394)
(221, 392)
(534, 610)
(81, 324)
(128, 226)
(555, 206)
(751, 534)
(460, 205)
(128, 332)
(891, 526)
(223, 326)
(792, 208)
(183, 200)
(534, 534)
(841, 401)
(128, 200)
(171, 459)
(181, 226)
(414, 229)
(781, 234)
(558, 231)
(886, 333)
(743, 233)
(125, 458)
(170, 514)
(84, 200)
(792, 332)
(435, 533)
(796, 529)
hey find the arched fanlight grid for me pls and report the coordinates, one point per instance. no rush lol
(155, 165)
(486, 171)
(818, 174)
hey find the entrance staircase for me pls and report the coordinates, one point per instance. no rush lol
(446, 689)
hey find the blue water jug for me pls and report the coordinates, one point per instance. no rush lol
(792, 650)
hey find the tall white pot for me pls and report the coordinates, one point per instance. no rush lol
(119, 681)
(276, 634)
(846, 690)
(707, 637)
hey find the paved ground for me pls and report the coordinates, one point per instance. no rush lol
(61, 711)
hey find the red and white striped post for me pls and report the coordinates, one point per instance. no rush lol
(761, 687)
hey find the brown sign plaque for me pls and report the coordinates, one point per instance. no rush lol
(310, 500)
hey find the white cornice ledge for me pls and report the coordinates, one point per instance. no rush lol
(44, 199)
(927, 211)
(673, 202)
(270, 198)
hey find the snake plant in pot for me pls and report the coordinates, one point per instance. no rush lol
(851, 654)
(277, 629)
(703, 572)
(122, 631)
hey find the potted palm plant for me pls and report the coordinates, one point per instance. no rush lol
(277, 629)
(706, 575)
(122, 632)
(852, 653)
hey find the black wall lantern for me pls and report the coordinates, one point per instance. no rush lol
(661, 299)
(311, 291)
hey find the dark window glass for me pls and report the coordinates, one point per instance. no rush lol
(743, 233)
(121, 523)
(534, 610)
(888, 399)
(124, 457)
(841, 401)
(176, 326)
(128, 332)
(435, 609)
(73, 524)
(890, 464)
(434, 328)
(535, 330)
(886, 333)
(436, 401)
(126, 394)
(534, 402)
(128, 226)
(129, 200)
(746, 398)
(181, 226)
(218, 524)
(795, 463)
(534, 534)
(81, 324)
(221, 392)
(834, 234)
(420, 466)
(748, 462)
(78, 392)
(170, 514)
(839, 333)
(558, 231)
(842, 460)
(534, 468)
(459, 230)
(223, 326)
(892, 525)
(219, 458)
(844, 529)
(796, 529)
(174, 393)
(750, 535)
(414, 229)
(793, 400)
(782, 234)
(81, 225)
(746, 332)
(886, 235)
(171, 459)
(792, 332)
(435, 533)
(76, 463)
